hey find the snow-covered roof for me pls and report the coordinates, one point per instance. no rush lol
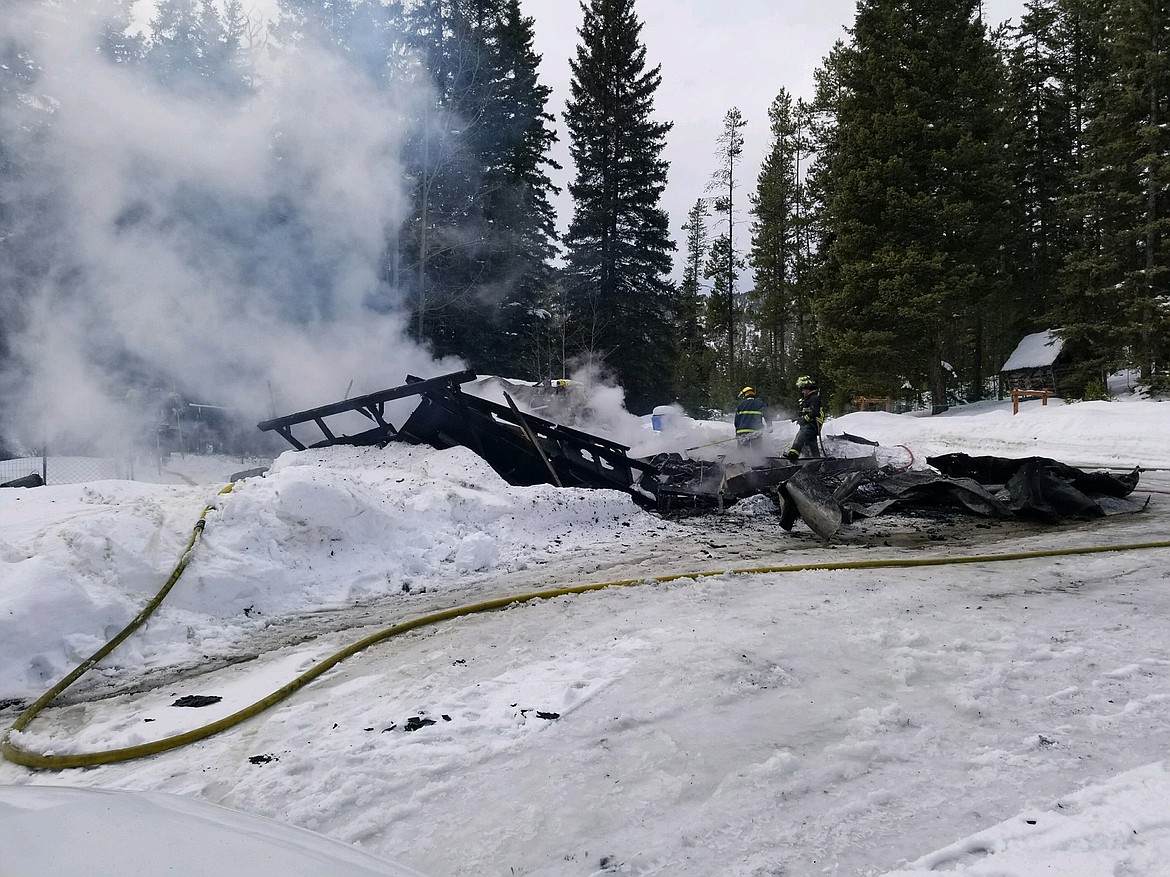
(1034, 351)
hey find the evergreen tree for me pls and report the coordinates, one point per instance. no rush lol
(725, 309)
(237, 50)
(779, 251)
(192, 49)
(370, 38)
(818, 229)
(694, 362)
(325, 22)
(1055, 64)
(724, 180)
(1114, 311)
(618, 244)
(1042, 162)
(38, 246)
(117, 42)
(915, 194)
(483, 231)
(520, 224)
(184, 47)
(439, 161)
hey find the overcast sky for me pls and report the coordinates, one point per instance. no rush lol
(715, 55)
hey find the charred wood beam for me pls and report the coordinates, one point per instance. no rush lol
(573, 458)
(532, 438)
(371, 405)
(522, 448)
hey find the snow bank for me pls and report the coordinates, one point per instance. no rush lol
(324, 528)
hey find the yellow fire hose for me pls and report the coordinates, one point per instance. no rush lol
(17, 754)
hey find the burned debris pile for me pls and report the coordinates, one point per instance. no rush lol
(522, 448)
(1044, 489)
(825, 493)
(1035, 489)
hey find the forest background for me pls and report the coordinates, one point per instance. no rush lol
(947, 190)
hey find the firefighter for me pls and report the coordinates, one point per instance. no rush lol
(751, 418)
(810, 418)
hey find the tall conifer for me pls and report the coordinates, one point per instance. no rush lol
(520, 221)
(190, 51)
(694, 359)
(1042, 164)
(725, 182)
(22, 259)
(480, 242)
(618, 244)
(779, 243)
(915, 196)
(1116, 307)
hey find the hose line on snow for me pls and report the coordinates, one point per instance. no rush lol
(17, 754)
(88, 664)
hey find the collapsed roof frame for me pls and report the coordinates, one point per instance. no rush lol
(372, 405)
(522, 448)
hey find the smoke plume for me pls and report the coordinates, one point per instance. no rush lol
(228, 249)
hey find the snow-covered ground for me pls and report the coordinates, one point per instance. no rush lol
(988, 718)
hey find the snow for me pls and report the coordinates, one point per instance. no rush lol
(986, 718)
(146, 832)
(1034, 351)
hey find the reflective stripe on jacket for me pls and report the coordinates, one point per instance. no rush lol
(810, 409)
(751, 415)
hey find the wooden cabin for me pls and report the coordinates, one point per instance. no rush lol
(1035, 364)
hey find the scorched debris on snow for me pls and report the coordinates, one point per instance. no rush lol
(826, 493)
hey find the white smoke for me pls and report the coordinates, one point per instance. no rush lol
(175, 267)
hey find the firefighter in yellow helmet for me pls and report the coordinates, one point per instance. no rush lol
(751, 418)
(809, 418)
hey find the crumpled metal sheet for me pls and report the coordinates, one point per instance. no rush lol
(1045, 489)
(919, 488)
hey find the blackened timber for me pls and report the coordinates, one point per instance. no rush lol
(532, 438)
(372, 405)
(522, 448)
(450, 417)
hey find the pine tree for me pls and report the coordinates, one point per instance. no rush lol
(520, 223)
(369, 37)
(242, 40)
(779, 251)
(1114, 309)
(1042, 161)
(1055, 64)
(118, 41)
(694, 360)
(483, 232)
(179, 48)
(192, 51)
(819, 231)
(724, 316)
(438, 245)
(724, 181)
(323, 22)
(915, 195)
(618, 244)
